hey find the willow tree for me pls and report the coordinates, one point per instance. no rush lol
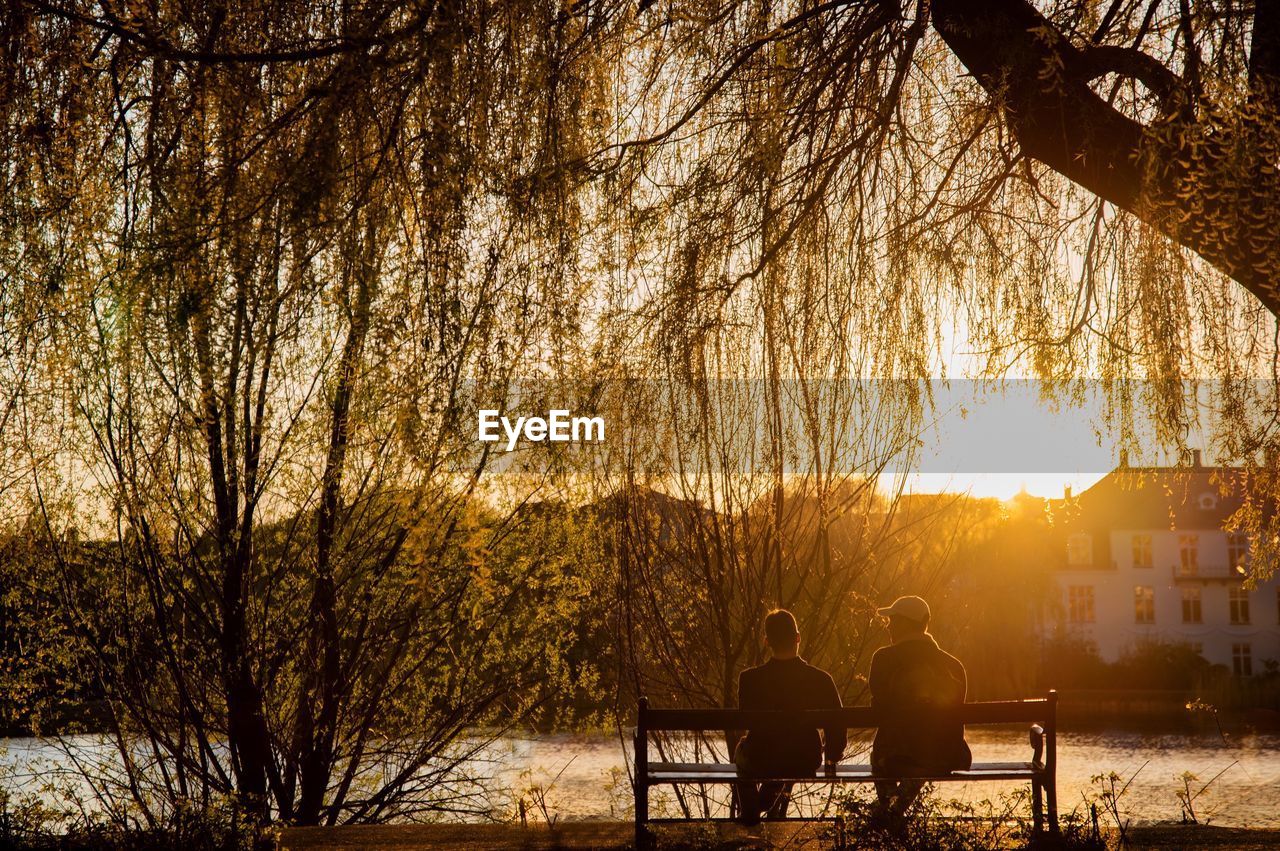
(1073, 190)
(261, 262)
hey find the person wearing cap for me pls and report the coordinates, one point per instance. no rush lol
(915, 685)
(785, 682)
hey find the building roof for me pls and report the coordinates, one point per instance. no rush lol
(1184, 497)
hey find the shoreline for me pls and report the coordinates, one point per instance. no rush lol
(608, 836)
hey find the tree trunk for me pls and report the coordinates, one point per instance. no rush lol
(325, 684)
(247, 735)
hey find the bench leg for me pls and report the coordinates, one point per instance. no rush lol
(1037, 806)
(1051, 792)
(644, 839)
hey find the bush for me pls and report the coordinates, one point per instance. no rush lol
(29, 825)
(1071, 662)
(930, 824)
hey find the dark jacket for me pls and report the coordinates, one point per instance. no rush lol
(915, 686)
(788, 684)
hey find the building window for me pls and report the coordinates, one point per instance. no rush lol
(1080, 603)
(1242, 660)
(1141, 550)
(1238, 552)
(1189, 552)
(1144, 604)
(1080, 549)
(1238, 602)
(1191, 605)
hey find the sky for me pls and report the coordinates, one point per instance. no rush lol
(993, 441)
(1001, 485)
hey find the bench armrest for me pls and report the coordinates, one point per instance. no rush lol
(1037, 745)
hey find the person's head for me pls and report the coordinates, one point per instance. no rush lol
(907, 616)
(781, 633)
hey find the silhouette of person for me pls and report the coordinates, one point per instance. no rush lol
(785, 682)
(915, 686)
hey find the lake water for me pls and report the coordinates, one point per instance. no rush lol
(576, 777)
(1247, 794)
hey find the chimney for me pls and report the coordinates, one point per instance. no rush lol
(1066, 492)
(1195, 457)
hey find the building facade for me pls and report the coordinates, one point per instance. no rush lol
(1145, 558)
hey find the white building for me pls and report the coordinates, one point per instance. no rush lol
(1146, 560)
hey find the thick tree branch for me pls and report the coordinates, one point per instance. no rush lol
(1210, 187)
(1131, 62)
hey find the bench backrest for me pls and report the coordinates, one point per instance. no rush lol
(1042, 711)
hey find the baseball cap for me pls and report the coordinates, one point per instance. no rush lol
(911, 608)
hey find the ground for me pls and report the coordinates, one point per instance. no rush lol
(607, 836)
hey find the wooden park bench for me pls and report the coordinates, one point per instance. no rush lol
(1040, 770)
